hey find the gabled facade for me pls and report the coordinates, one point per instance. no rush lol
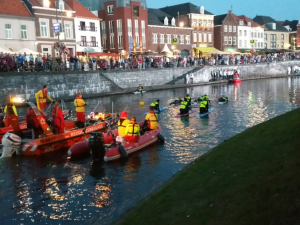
(123, 20)
(225, 32)
(163, 28)
(18, 26)
(46, 14)
(291, 26)
(249, 30)
(87, 29)
(276, 36)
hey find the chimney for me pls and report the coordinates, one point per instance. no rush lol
(229, 11)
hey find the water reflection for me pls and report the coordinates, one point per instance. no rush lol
(52, 189)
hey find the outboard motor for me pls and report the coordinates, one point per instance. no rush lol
(96, 144)
(11, 144)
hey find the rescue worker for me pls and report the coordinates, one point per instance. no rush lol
(41, 98)
(155, 105)
(184, 106)
(123, 122)
(204, 106)
(223, 99)
(14, 109)
(132, 131)
(33, 123)
(205, 97)
(188, 98)
(236, 75)
(151, 121)
(140, 88)
(58, 119)
(80, 110)
(176, 101)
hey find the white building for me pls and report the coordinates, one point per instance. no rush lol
(87, 29)
(249, 30)
(18, 26)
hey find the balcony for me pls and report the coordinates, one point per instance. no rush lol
(85, 28)
(88, 44)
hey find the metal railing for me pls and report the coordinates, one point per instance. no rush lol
(86, 28)
(89, 44)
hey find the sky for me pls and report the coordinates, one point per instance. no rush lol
(279, 10)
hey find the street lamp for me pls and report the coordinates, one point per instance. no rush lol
(294, 41)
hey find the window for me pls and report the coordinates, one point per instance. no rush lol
(92, 27)
(266, 45)
(234, 41)
(204, 37)
(24, 32)
(240, 43)
(119, 26)
(249, 24)
(230, 40)
(112, 43)
(234, 29)
(229, 28)
(195, 37)
(154, 38)
(120, 41)
(68, 30)
(240, 33)
(245, 43)
(45, 51)
(137, 36)
(136, 10)
(111, 27)
(110, 9)
(209, 38)
(143, 33)
(175, 36)
(266, 37)
(200, 37)
(245, 33)
(225, 28)
(181, 39)
(8, 31)
(204, 23)
(199, 23)
(169, 41)
(144, 40)
(162, 38)
(129, 24)
(188, 39)
(255, 44)
(61, 5)
(83, 41)
(282, 44)
(225, 40)
(103, 28)
(44, 29)
(104, 42)
(143, 27)
(282, 37)
(93, 42)
(82, 26)
(241, 22)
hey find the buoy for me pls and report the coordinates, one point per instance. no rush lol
(142, 103)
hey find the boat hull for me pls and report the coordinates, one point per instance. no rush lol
(236, 81)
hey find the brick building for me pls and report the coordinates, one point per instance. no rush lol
(225, 32)
(163, 29)
(291, 26)
(122, 20)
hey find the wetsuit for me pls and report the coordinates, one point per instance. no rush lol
(155, 104)
(184, 107)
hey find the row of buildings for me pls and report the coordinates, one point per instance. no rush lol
(106, 27)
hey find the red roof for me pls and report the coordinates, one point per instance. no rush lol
(81, 11)
(14, 8)
(246, 20)
(51, 5)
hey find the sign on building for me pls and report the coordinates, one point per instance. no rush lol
(252, 42)
(131, 40)
(56, 27)
(174, 41)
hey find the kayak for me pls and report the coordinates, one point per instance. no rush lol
(156, 111)
(139, 92)
(184, 115)
(205, 114)
(222, 103)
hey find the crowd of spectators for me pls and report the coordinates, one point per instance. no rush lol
(28, 62)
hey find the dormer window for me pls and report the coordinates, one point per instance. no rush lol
(61, 5)
(166, 21)
(173, 21)
(110, 9)
(249, 24)
(241, 22)
(274, 26)
(202, 10)
(46, 3)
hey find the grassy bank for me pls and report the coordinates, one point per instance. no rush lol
(253, 178)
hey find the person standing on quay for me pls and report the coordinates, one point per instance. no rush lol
(80, 110)
(41, 98)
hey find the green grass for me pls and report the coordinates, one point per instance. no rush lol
(253, 178)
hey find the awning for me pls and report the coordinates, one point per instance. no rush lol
(28, 51)
(166, 49)
(99, 54)
(206, 49)
(5, 50)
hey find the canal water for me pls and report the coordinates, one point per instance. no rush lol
(52, 189)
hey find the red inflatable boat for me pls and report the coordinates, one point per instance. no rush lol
(119, 151)
(236, 80)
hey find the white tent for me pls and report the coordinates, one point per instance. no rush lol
(166, 49)
(5, 50)
(234, 52)
(28, 51)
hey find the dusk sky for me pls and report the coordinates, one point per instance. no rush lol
(277, 9)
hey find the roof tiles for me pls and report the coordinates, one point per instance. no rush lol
(14, 8)
(81, 11)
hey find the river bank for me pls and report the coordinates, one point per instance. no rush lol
(252, 178)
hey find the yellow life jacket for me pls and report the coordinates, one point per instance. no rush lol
(79, 104)
(14, 109)
(132, 130)
(123, 122)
